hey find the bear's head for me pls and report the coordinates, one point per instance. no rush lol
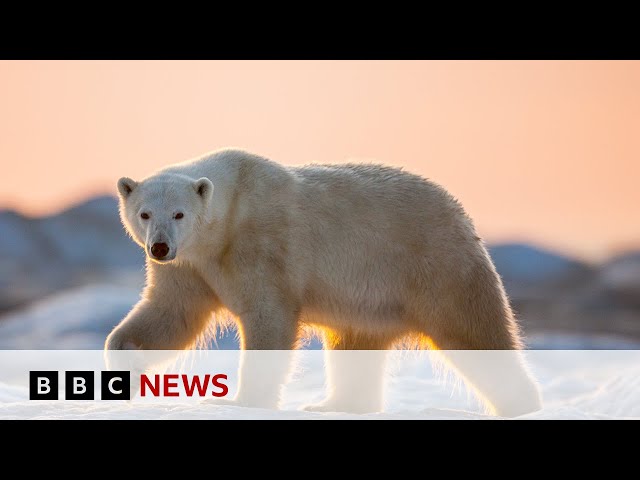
(163, 212)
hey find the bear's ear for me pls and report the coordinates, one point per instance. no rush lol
(126, 186)
(203, 187)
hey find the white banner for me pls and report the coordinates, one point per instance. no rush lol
(228, 384)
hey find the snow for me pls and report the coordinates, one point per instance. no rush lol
(78, 318)
(574, 385)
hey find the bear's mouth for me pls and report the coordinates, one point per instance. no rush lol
(162, 261)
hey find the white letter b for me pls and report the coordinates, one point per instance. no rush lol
(43, 385)
(79, 385)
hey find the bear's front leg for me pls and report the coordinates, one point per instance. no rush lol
(268, 337)
(175, 309)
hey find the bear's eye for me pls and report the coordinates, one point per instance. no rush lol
(144, 216)
(179, 215)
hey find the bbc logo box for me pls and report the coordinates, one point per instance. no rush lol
(79, 385)
(115, 385)
(43, 385)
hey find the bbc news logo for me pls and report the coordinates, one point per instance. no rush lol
(168, 385)
(116, 385)
(80, 385)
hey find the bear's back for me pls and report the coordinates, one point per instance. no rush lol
(229, 164)
(329, 197)
(371, 189)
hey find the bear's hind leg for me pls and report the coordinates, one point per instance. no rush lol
(499, 377)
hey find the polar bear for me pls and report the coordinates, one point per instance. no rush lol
(369, 254)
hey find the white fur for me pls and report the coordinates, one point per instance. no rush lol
(369, 254)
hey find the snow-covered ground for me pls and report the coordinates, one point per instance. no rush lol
(574, 385)
(79, 318)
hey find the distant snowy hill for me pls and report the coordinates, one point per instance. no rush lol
(552, 292)
(523, 266)
(620, 278)
(77, 246)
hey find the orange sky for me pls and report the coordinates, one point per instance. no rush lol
(547, 152)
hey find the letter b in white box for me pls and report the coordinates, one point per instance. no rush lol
(43, 385)
(78, 385)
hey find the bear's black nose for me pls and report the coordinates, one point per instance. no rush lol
(159, 250)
